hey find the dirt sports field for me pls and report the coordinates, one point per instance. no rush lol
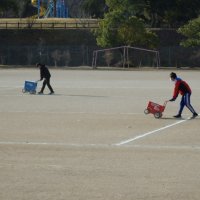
(92, 140)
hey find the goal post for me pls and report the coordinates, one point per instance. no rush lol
(125, 56)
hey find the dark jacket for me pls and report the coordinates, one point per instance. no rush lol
(44, 72)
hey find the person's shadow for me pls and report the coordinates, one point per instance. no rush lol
(72, 95)
(182, 118)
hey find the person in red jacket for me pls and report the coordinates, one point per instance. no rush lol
(181, 87)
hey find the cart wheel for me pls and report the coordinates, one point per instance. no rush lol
(33, 92)
(146, 111)
(157, 115)
(23, 90)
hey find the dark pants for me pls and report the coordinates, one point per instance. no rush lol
(185, 101)
(46, 82)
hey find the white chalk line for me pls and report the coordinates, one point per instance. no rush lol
(69, 112)
(52, 144)
(104, 146)
(121, 144)
(151, 132)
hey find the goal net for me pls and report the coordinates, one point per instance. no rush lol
(125, 57)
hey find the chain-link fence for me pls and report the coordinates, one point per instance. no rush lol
(177, 56)
(81, 55)
(50, 55)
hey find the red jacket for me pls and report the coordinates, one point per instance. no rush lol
(181, 87)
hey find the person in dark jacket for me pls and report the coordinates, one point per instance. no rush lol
(44, 74)
(181, 87)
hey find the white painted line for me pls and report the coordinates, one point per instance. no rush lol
(162, 147)
(77, 145)
(151, 132)
(68, 112)
(171, 147)
(53, 144)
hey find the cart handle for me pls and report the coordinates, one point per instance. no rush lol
(165, 103)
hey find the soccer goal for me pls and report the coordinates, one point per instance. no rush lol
(125, 57)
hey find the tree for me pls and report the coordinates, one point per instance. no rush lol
(7, 6)
(121, 27)
(94, 8)
(134, 33)
(24, 8)
(171, 13)
(157, 13)
(192, 33)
